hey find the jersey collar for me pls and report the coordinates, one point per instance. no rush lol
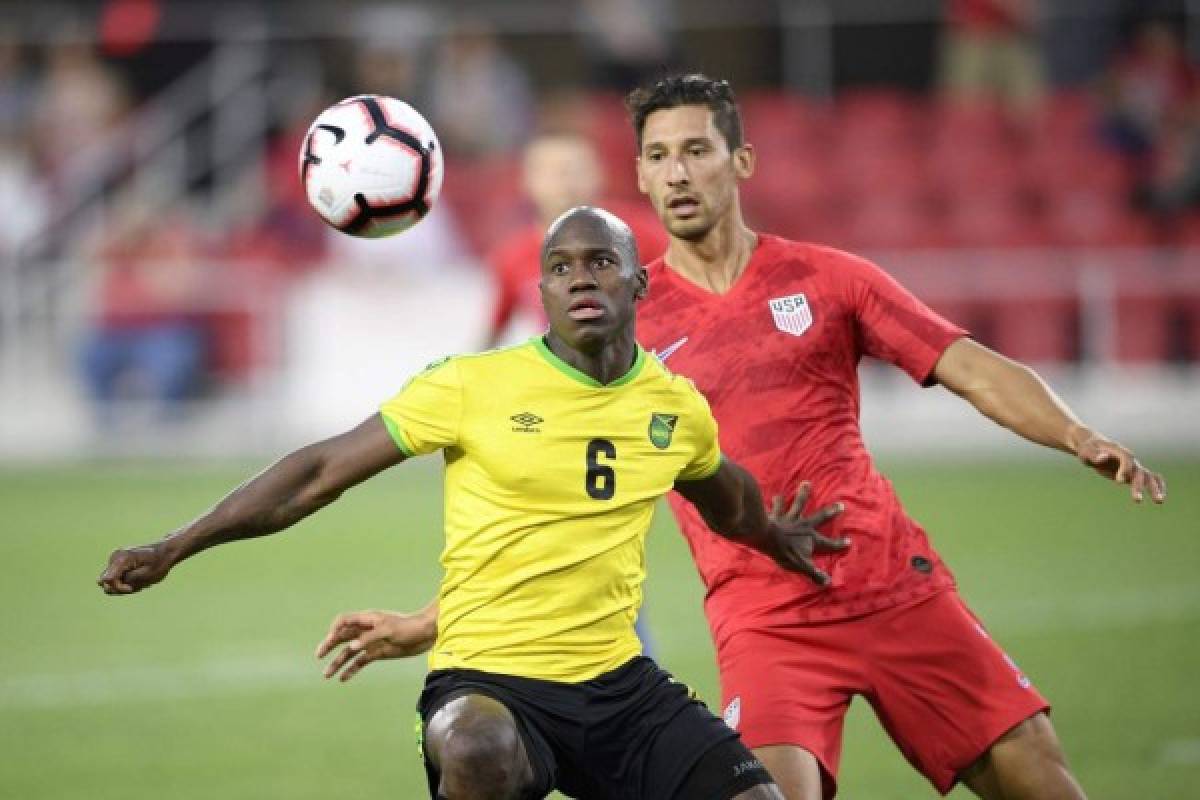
(639, 360)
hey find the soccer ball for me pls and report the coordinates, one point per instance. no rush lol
(371, 166)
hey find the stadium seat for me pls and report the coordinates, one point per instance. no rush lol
(993, 217)
(870, 115)
(969, 124)
(1067, 118)
(894, 220)
(781, 122)
(1143, 320)
(1093, 218)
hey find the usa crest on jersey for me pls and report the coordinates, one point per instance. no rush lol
(792, 314)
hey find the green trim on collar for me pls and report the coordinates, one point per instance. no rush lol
(639, 361)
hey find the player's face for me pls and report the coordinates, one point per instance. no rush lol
(687, 170)
(588, 288)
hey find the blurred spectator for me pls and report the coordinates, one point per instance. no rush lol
(1149, 90)
(80, 100)
(1151, 116)
(22, 194)
(628, 41)
(148, 340)
(561, 170)
(285, 236)
(990, 52)
(16, 88)
(481, 102)
(389, 49)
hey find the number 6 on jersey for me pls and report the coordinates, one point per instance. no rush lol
(601, 480)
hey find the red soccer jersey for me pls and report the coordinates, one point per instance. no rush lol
(777, 357)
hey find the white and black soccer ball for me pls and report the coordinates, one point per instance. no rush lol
(371, 166)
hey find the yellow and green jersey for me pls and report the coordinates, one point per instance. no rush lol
(551, 480)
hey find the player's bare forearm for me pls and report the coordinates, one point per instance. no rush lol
(1014, 396)
(291, 489)
(1010, 394)
(277, 498)
(730, 503)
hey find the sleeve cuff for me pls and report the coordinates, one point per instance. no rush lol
(398, 436)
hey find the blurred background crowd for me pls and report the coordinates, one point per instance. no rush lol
(1030, 167)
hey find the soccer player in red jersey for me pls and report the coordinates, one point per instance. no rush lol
(560, 170)
(772, 331)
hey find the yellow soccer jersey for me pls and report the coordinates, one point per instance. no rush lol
(551, 480)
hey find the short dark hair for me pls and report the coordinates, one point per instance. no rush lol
(688, 90)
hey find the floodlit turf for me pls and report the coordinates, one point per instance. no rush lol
(206, 686)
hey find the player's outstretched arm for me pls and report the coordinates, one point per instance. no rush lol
(731, 503)
(374, 635)
(1013, 395)
(281, 495)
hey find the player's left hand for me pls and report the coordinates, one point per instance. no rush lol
(1117, 463)
(373, 635)
(795, 536)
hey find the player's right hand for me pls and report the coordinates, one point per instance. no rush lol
(132, 569)
(795, 536)
(1117, 463)
(373, 635)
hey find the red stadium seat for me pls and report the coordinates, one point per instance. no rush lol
(972, 124)
(780, 122)
(1143, 325)
(886, 220)
(993, 219)
(1067, 118)
(1038, 328)
(870, 115)
(887, 165)
(1091, 218)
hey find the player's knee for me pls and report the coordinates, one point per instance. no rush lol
(474, 742)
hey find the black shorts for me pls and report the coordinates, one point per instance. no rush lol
(630, 734)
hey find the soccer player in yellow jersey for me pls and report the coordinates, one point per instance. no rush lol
(556, 451)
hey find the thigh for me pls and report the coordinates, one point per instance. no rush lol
(792, 687)
(444, 688)
(1026, 762)
(942, 688)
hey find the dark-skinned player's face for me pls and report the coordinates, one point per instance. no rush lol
(687, 170)
(589, 287)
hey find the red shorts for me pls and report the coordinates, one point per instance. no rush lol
(944, 691)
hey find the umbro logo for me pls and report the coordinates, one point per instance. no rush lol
(527, 422)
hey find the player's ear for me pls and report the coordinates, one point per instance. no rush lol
(744, 159)
(642, 287)
(641, 179)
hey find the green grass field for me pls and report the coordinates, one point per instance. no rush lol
(206, 686)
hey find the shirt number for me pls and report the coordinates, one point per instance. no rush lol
(601, 481)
